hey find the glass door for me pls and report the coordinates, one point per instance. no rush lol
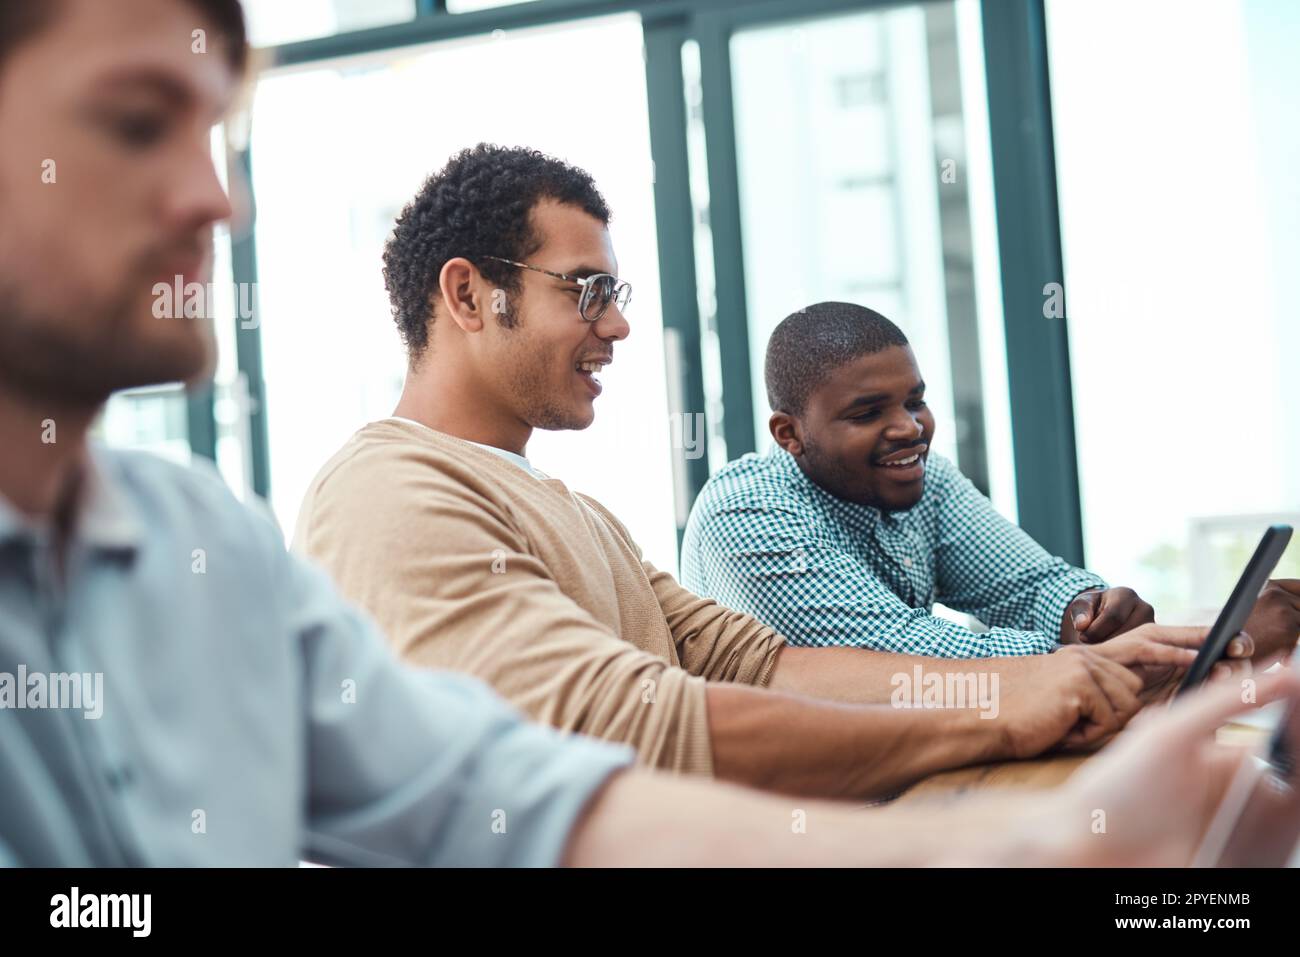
(864, 176)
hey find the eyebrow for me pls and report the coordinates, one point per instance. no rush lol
(583, 272)
(155, 80)
(877, 397)
(174, 88)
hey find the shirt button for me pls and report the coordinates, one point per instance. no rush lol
(119, 778)
(907, 563)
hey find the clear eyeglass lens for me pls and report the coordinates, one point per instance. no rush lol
(600, 292)
(595, 299)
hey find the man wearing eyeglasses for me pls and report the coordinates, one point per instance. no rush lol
(505, 290)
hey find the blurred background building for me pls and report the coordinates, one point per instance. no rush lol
(946, 163)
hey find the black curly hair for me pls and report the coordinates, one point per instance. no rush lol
(476, 206)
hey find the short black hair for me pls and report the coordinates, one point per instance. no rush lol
(810, 344)
(20, 20)
(476, 206)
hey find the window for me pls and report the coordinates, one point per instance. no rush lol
(151, 419)
(271, 22)
(338, 149)
(878, 191)
(1180, 219)
(473, 6)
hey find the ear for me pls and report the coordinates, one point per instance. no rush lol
(785, 430)
(460, 285)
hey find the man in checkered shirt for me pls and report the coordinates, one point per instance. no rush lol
(851, 529)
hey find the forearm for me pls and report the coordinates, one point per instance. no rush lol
(799, 745)
(642, 818)
(859, 676)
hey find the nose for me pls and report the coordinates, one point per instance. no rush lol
(197, 198)
(612, 326)
(904, 426)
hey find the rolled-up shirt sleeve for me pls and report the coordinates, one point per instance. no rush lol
(412, 766)
(712, 640)
(991, 568)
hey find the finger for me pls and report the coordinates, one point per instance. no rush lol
(1291, 585)
(1236, 659)
(1083, 738)
(1121, 687)
(1114, 608)
(1141, 648)
(1228, 669)
(1286, 599)
(1160, 683)
(1088, 733)
(1142, 614)
(1242, 646)
(1082, 609)
(1182, 636)
(1097, 718)
(1203, 712)
(1086, 736)
(1143, 652)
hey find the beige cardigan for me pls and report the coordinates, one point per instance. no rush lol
(468, 562)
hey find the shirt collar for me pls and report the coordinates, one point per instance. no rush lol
(104, 518)
(514, 457)
(107, 519)
(509, 456)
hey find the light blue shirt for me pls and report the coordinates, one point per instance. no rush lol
(765, 539)
(248, 715)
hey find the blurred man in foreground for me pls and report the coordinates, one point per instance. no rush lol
(246, 714)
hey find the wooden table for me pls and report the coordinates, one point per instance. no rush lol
(1034, 774)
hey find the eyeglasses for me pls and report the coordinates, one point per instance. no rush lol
(598, 291)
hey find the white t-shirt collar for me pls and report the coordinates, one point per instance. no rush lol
(514, 457)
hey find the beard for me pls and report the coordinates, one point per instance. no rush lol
(46, 354)
(829, 473)
(541, 409)
(826, 471)
(529, 383)
(551, 419)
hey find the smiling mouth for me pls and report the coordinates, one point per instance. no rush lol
(903, 463)
(587, 370)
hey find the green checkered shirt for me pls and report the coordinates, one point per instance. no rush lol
(764, 539)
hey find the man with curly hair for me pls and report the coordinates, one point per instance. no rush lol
(505, 288)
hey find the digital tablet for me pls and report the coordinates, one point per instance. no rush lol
(1240, 603)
